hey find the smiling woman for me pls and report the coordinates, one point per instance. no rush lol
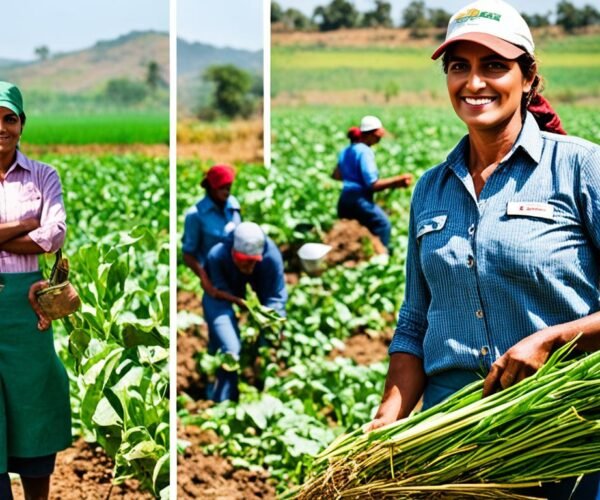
(514, 231)
(34, 401)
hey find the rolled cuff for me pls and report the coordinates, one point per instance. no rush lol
(409, 333)
(49, 237)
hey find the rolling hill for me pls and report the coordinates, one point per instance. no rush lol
(86, 71)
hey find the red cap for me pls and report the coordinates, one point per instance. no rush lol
(244, 256)
(219, 176)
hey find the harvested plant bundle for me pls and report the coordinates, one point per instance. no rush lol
(545, 428)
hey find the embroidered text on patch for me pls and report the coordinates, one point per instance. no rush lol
(475, 13)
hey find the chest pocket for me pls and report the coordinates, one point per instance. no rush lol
(429, 224)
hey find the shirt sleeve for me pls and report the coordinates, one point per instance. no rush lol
(191, 235)
(50, 236)
(368, 168)
(216, 268)
(412, 319)
(590, 194)
(271, 285)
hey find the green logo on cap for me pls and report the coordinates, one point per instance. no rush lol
(476, 13)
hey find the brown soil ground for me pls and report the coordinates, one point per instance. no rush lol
(352, 243)
(84, 472)
(360, 37)
(365, 349)
(153, 150)
(387, 37)
(213, 477)
(189, 342)
(239, 141)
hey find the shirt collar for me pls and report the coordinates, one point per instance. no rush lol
(529, 140)
(206, 204)
(21, 161)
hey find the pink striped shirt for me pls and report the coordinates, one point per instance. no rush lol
(32, 190)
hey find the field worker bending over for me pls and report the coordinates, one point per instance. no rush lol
(503, 262)
(249, 257)
(210, 221)
(357, 169)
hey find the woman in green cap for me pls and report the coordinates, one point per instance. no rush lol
(35, 418)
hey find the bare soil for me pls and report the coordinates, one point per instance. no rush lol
(213, 477)
(352, 243)
(238, 141)
(190, 342)
(84, 472)
(153, 150)
(365, 349)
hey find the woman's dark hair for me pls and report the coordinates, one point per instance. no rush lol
(22, 117)
(204, 184)
(532, 101)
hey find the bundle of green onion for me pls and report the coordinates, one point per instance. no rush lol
(545, 428)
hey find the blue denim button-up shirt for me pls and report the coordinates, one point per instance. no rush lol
(357, 167)
(484, 273)
(206, 225)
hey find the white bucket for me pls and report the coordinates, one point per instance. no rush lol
(311, 255)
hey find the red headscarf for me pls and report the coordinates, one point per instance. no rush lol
(544, 115)
(219, 176)
(353, 134)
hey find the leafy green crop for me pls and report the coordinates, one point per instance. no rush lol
(116, 346)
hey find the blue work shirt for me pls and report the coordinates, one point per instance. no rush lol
(484, 273)
(206, 224)
(267, 279)
(357, 167)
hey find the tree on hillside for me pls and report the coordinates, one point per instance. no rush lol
(276, 12)
(568, 16)
(296, 20)
(338, 14)
(537, 20)
(590, 15)
(380, 16)
(439, 18)
(42, 52)
(415, 18)
(232, 87)
(125, 91)
(153, 77)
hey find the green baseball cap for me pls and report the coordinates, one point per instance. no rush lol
(11, 97)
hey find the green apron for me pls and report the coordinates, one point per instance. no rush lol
(35, 412)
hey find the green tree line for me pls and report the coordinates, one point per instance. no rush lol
(416, 16)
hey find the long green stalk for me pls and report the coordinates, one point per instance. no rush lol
(543, 429)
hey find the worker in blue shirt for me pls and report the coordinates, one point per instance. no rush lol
(357, 169)
(503, 262)
(249, 257)
(210, 221)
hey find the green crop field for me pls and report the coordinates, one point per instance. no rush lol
(310, 398)
(570, 65)
(116, 346)
(127, 127)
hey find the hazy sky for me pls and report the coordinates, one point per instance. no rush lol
(529, 6)
(66, 25)
(232, 23)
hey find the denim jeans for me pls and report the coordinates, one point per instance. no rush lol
(360, 206)
(223, 335)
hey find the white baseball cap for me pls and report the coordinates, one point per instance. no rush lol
(493, 24)
(370, 123)
(248, 241)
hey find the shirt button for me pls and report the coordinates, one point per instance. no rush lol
(484, 350)
(479, 314)
(472, 229)
(470, 261)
